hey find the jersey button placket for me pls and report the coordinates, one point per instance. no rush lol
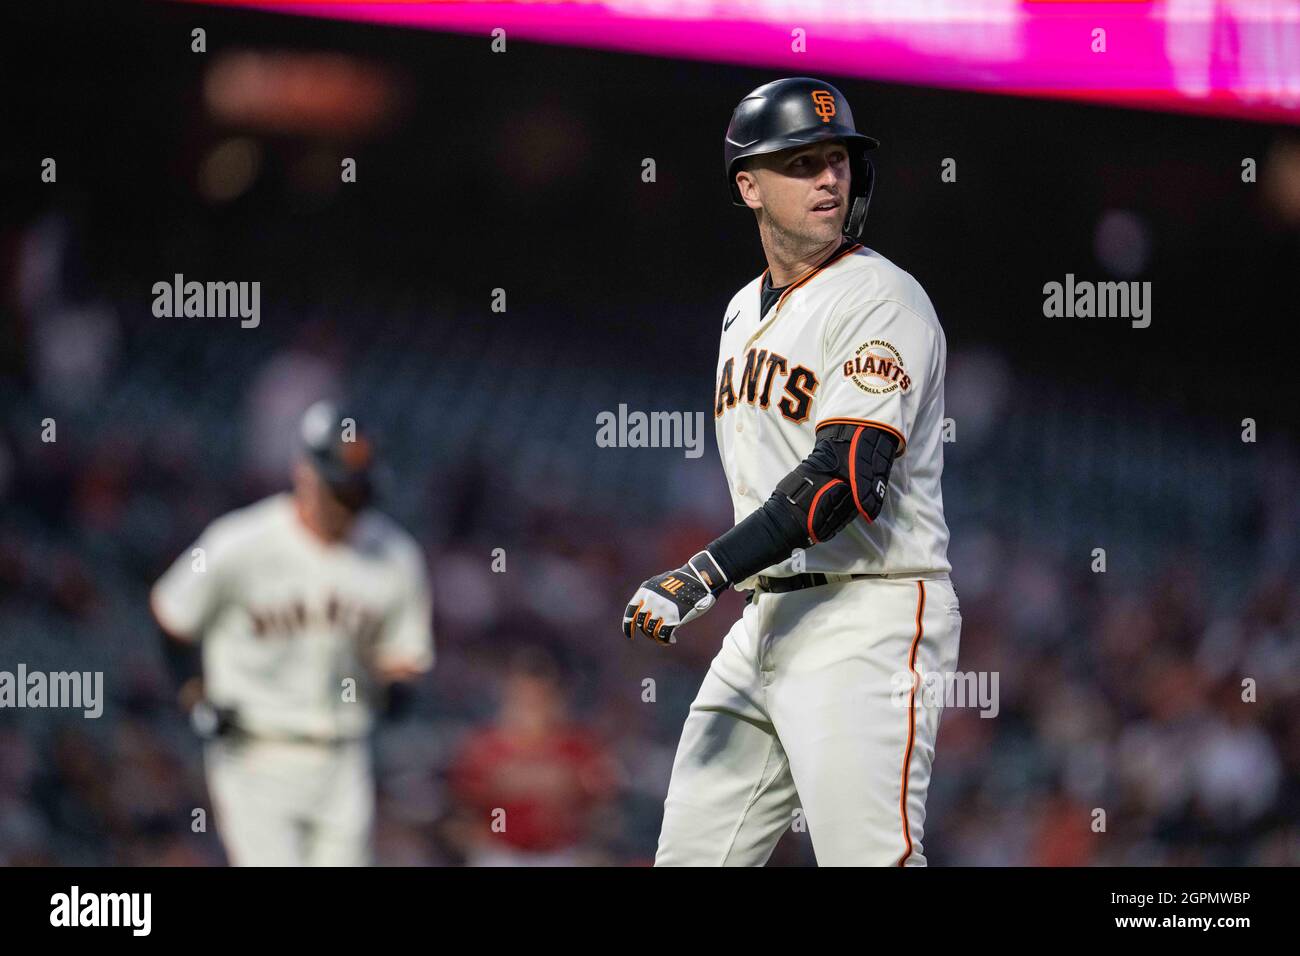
(742, 487)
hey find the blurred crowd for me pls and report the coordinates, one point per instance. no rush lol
(1146, 716)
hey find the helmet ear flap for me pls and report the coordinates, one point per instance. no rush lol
(855, 223)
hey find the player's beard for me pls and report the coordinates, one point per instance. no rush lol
(803, 239)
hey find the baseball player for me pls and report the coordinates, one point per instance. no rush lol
(828, 407)
(308, 609)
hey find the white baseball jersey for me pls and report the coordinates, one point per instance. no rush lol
(286, 618)
(855, 340)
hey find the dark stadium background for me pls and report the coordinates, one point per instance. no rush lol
(522, 171)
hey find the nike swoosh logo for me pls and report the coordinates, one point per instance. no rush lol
(730, 319)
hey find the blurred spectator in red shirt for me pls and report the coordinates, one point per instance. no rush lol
(1064, 834)
(529, 786)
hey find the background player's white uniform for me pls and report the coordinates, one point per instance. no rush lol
(812, 702)
(289, 623)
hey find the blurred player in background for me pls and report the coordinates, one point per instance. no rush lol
(529, 786)
(290, 622)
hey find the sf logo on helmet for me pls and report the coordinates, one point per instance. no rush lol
(824, 104)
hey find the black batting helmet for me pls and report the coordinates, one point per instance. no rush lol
(339, 452)
(795, 112)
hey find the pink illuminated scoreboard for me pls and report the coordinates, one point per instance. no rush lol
(1220, 57)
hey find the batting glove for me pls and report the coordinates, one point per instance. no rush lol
(667, 601)
(211, 721)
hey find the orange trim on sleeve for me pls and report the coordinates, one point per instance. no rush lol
(853, 473)
(870, 423)
(911, 724)
(812, 509)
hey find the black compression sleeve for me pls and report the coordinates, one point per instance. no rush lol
(771, 533)
(766, 537)
(846, 472)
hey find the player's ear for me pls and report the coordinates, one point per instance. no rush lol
(747, 183)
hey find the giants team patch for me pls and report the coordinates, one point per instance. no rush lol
(877, 368)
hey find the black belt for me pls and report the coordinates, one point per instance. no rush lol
(240, 735)
(797, 582)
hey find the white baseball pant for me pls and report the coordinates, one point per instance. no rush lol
(282, 803)
(814, 703)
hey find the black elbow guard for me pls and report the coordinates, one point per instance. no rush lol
(845, 476)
